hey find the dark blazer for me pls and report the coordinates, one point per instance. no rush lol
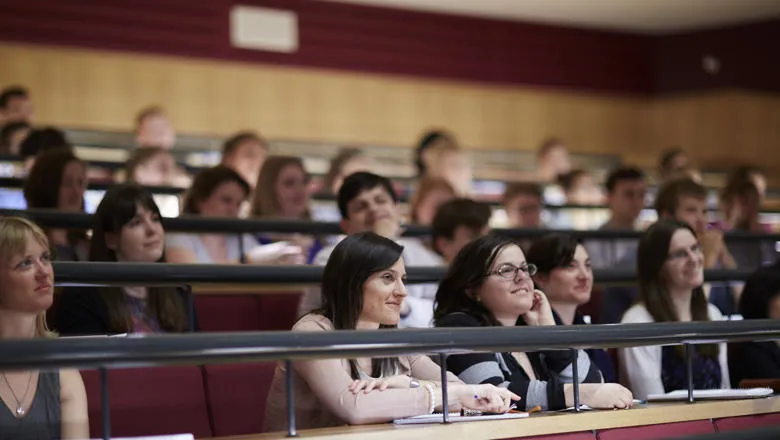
(753, 360)
(82, 311)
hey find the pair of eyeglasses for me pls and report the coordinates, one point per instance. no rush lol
(682, 254)
(510, 271)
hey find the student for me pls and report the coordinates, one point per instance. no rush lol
(456, 223)
(38, 141)
(15, 105)
(489, 284)
(672, 163)
(363, 288)
(684, 200)
(126, 228)
(565, 274)
(431, 193)
(671, 273)
(49, 404)
(58, 180)
(760, 300)
(245, 152)
(523, 205)
(741, 204)
(12, 135)
(552, 160)
(154, 129)
(367, 202)
(348, 161)
(626, 190)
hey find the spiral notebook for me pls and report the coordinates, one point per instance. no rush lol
(457, 417)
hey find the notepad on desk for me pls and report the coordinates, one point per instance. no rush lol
(457, 417)
(742, 393)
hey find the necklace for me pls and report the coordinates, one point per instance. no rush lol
(19, 403)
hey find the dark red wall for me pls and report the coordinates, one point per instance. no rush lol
(370, 39)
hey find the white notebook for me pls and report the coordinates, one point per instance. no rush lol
(456, 417)
(746, 393)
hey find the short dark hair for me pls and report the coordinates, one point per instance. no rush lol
(352, 262)
(232, 143)
(623, 173)
(358, 182)
(552, 251)
(466, 272)
(459, 212)
(667, 157)
(12, 92)
(8, 130)
(567, 180)
(206, 181)
(42, 139)
(762, 286)
(42, 187)
(670, 193)
(515, 189)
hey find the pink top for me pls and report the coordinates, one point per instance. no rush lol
(322, 397)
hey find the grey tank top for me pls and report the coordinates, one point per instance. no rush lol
(42, 421)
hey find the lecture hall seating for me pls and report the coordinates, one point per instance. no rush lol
(246, 312)
(237, 395)
(665, 430)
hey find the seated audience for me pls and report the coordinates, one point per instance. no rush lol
(429, 142)
(439, 155)
(564, 274)
(11, 136)
(151, 166)
(126, 228)
(748, 173)
(367, 202)
(431, 193)
(219, 192)
(741, 204)
(347, 161)
(671, 273)
(154, 129)
(672, 163)
(38, 141)
(282, 193)
(552, 160)
(626, 191)
(682, 200)
(58, 180)
(760, 300)
(245, 153)
(15, 105)
(523, 205)
(363, 288)
(456, 223)
(580, 188)
(46, 404)
(489, 284)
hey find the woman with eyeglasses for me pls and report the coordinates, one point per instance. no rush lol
(670, 265)
(489, 284)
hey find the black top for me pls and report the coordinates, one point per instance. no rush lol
(82, 311)
(43, 418)
(753, 360)
(552, 369)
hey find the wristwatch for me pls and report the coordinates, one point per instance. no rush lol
(414, 383)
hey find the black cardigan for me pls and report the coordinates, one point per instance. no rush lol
(82, 311)
(502, 369)
(753, 360)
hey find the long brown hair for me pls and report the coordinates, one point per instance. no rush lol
(116, 209)
(265, 202)
(652, 254)
(426, 186)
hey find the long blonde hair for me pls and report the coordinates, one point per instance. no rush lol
(13, 241)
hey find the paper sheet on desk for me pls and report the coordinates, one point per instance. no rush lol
(456, 417)
(159, 437)
(742, 393)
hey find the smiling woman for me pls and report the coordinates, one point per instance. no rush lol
(35, 404)
(128, 229)
(363, 288)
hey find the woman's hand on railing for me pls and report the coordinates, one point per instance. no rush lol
(486, 398)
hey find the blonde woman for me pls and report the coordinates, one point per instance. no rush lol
(37, 404)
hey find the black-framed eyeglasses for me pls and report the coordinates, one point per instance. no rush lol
(510, 271)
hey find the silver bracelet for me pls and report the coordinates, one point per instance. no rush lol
(432, 406)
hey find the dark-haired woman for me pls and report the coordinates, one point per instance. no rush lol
(760, 300)
(127, 228)
(363, 288)
(670, 265)
(58, 180)
(489, 284)
(565, 275)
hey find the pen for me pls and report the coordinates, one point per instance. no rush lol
(640, 402)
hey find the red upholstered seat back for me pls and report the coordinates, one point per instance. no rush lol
(568, 436)
(666, 430)
(247, 312)
(237, 394)
(150, 401)
(748, 422)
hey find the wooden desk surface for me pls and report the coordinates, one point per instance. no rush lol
(541, 424)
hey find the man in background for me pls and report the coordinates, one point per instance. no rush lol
(15, 105)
